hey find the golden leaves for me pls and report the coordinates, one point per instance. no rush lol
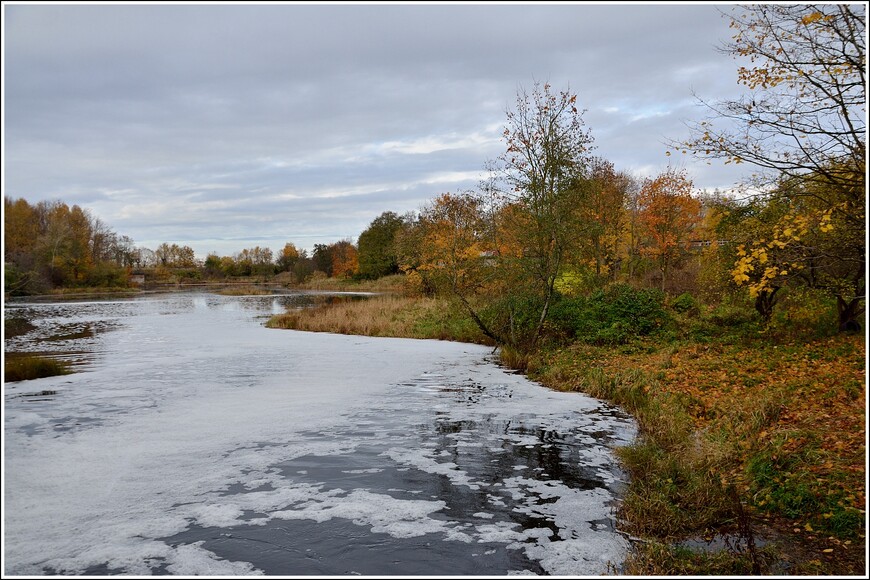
(810, 18)
(786, 238)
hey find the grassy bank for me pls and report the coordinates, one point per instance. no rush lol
(388, 315)
(245, 290)
(393, 283)
(753, 438)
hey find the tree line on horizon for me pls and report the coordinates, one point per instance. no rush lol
(553, 222)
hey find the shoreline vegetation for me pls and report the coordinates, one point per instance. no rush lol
(750, 458)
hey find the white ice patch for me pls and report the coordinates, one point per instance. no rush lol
(504, 532)
(579, 557)
(382, 513)
(215, 515)
(422, 460)
(192, 560)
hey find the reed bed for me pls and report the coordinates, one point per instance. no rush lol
(387, 315)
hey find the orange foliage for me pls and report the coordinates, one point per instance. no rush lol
(668, 214)
(345, 259)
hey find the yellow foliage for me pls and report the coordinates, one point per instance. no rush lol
(810, 18)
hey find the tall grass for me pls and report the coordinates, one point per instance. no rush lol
(674, 489)
(246, 290)
(388, 315)
(393, 283)
(24, 368)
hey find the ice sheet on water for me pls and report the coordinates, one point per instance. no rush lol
(197, 406)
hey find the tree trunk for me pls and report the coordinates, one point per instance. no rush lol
(764, 303)
(849, 312)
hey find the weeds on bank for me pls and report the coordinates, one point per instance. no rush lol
(24, 368)
(13, 327)
(243, 291)
(660, 559)
(393, 283)
(388, 315)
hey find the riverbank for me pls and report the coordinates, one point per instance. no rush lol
(752, 450)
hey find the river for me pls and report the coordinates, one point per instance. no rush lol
(195, 441)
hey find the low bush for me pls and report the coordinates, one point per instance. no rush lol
(685, 304)
(613, 315)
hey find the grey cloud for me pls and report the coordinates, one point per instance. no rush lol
(235, 116)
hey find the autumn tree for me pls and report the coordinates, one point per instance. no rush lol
(377, 252)
(254, 261)
(124, 251)
(500, 249)
(449, 249)
(716, 256)
(212, 265)
(345, 259)
(288, 257)
(801, 122)
(53, 244)
(795, 239)
(667, 215)
(20, 229)
(175, 256)
(321, 259)
(603, 217)
(547, 155)
(145, 258)
(229, 267)
(303, 268)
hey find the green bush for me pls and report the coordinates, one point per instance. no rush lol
(613, 315)
(726, 315)
(805, 312)
(514, 316)
(685, 304)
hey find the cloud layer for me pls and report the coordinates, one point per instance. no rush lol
(229, 126)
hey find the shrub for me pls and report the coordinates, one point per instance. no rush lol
(611, 316)
(732, 316)
(685, 304)
(514, 316)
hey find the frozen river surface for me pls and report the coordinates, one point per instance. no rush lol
(196, 441)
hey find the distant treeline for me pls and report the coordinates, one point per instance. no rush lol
(50, 245)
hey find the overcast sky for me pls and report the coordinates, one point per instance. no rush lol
(228, 126)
